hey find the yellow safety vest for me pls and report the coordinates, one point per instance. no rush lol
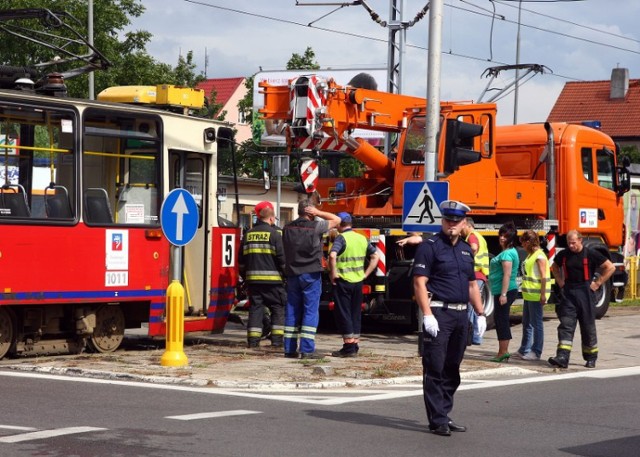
(481, 259)
(350, 264)
(531, 280)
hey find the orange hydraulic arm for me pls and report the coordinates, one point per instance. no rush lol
(320, 114)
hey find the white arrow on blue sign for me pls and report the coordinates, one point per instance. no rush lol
(421, 205)
(179, 217)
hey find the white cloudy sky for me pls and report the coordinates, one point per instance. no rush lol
(576, 40)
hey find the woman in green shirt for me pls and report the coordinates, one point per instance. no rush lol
(503, 270)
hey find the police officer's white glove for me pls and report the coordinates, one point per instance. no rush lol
(482, 325)
(430, 324)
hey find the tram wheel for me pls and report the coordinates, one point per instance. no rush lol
(109, 331)
(7, 332)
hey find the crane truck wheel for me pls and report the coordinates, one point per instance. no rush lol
(489, 308)
(603, 294)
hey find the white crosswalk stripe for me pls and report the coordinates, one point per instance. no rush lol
(44, 434)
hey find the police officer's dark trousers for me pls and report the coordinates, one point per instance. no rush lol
(441, 359)
(578, 306)
(272, 296)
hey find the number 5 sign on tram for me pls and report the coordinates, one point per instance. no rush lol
(179, 217)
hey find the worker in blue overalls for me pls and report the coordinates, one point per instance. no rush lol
(442, 264)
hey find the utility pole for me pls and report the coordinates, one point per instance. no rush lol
(515, 94)
(90, 37)
(433, 89)
(206, 62)
(396, 45)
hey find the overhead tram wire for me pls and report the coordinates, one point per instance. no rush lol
(409, 45)
(566, 21)
(566, 35)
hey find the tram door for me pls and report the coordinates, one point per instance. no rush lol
(188, 170)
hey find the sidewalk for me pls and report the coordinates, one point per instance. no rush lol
(224, 361)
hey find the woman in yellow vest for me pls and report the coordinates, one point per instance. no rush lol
(536, 287)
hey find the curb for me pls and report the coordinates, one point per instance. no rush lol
(260, 385)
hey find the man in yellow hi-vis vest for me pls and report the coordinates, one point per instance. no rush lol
(347, 271)
(481, 266)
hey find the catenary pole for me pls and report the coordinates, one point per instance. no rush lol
(433, 88)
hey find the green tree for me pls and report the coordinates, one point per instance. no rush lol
(631, 152)
(131, 64)
(305, 61)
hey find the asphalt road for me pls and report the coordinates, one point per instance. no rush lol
(593, 413)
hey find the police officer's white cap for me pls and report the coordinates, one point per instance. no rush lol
(453, 210)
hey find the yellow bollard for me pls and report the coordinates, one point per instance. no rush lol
(174, 355)
(633, 276)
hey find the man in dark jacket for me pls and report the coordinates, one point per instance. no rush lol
(262, 265)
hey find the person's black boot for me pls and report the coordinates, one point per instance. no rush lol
(558, 362)
(348, 350)
(253, 343)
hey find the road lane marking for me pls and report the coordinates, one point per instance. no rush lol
(44, 434)
(196, 416)
(17, 427)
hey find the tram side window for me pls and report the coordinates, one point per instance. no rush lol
(37, 163)
(121, 168)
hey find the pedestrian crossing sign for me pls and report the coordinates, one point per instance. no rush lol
(421, 205)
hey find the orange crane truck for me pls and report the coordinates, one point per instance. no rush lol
(547, 177)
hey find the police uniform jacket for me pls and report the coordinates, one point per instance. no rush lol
(263, 254)
(448, 267)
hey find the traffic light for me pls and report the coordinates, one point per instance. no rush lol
(458, 149)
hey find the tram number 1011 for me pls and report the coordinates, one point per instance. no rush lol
(116, 278)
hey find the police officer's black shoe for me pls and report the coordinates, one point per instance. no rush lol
(442, 430)
(456, 428)
(590, 364)
(291, 355)
(558, 362)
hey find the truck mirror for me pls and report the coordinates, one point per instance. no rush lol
(624, 181)
(458, 149)
(226, 137)
(265, 175)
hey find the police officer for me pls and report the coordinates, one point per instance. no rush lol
(442, 264)
(346, 263)
(574, 270)
(262, 265)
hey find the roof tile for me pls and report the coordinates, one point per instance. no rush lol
(225, 87)
(590, 101)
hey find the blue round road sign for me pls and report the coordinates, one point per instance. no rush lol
(179, 217)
